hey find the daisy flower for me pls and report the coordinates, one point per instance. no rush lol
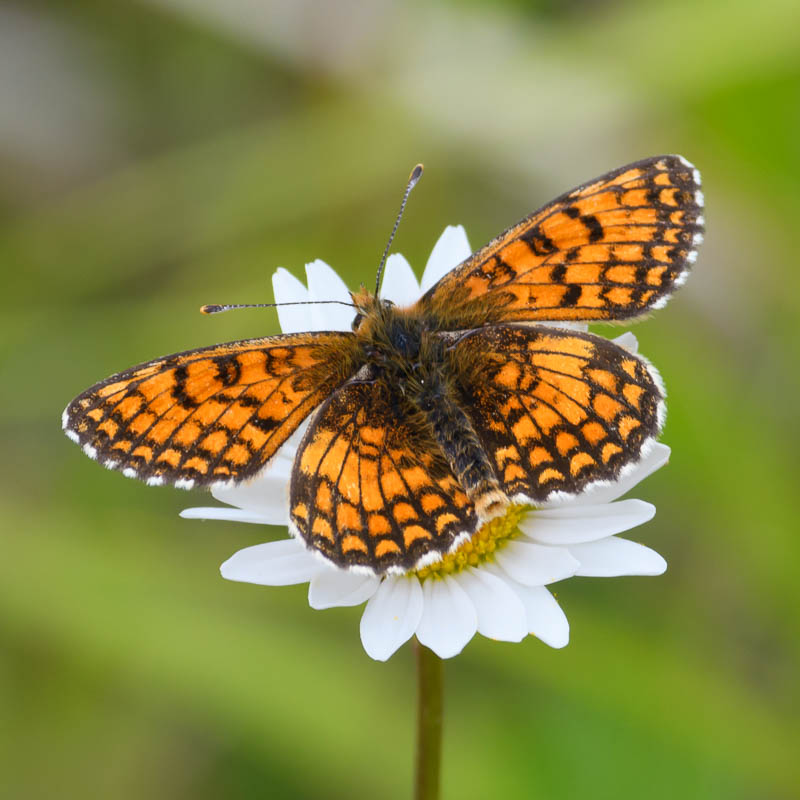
(494, 584)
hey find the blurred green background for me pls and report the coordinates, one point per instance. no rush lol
(163, 154)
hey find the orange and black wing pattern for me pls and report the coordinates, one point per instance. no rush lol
(611, 249)
(556, 410)
(210, 415)
(370, 488)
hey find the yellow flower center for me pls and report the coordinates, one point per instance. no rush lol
(480, 547)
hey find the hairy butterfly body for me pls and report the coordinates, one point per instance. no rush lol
(427, 421)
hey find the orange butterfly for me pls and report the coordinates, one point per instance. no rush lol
(431, 419)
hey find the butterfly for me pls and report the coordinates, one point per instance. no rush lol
(427, 421)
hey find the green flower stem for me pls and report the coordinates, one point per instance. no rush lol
(429, 723)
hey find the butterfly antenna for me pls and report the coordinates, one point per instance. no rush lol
(218, 309)
(416, 174)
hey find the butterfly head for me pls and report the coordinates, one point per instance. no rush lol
(386, 328)
(370, 309)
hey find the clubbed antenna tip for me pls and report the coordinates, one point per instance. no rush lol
(215, 308)
(416, 174)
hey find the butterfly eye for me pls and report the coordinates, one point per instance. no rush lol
(357, 320)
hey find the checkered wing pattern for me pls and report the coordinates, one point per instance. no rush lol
(214, 414)
(370, 487)
(556, 410)
(609, 250)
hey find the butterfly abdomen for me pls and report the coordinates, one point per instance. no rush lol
(453, 432)
(410, 358)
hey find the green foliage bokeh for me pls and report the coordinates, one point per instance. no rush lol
(165, 155)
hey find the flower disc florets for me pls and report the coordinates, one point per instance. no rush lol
(496, 582)
(480, 547)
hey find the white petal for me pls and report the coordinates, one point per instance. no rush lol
(273, 564)
(573, 524)
(325, 284)
(449, 619)
(535, 564)
(628, 341)
(570, 326)
(606, 493)
(266, 496)
(546, 620)
(279, 467)
(611, 557)
(287, 289)
(338, 587)
(228, 514)
(501, 614)
(399, 282)
(449, 251)
(391, 616)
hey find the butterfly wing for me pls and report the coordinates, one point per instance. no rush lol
(370, 488)
(556, 410)
(214, 414)
(609, 250)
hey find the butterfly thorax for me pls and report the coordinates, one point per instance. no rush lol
(396, 341)
(425, 419)
(415, 364)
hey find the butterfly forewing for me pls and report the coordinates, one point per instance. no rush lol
(609, 250)
(556, 410)
(424, 407)
(370, 488)
(209, 415)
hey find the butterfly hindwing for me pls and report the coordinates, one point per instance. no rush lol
(209, 415)
(425, 413)
(609, 250)
(370, 488)
(556, 410)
